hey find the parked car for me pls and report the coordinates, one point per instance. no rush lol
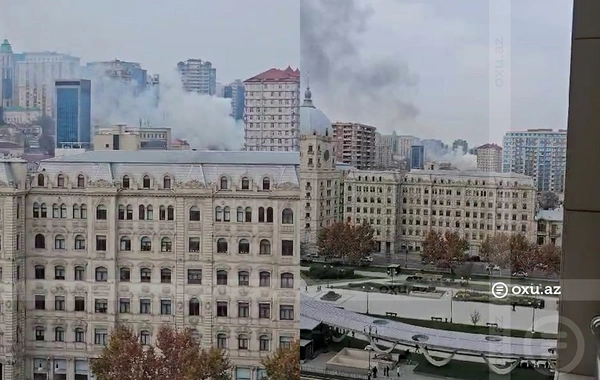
(492, 268)
(520, 274)
(367, 259)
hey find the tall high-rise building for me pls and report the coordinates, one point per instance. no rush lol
(460, 146)
(237, 99)
(417, 157)
(404, 145)
(36, 74)
(383, 150)
(355, 144)
(489, 158)
(198, 76)
(539, 153)
(73, 112)
(272, 110)
(129, 73)
(7, 72)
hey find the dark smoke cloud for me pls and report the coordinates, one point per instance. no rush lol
(346, 85)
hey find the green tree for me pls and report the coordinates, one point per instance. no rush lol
(284, 364)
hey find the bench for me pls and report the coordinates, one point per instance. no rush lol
(389, 314)
(492, 325)
(437, 319)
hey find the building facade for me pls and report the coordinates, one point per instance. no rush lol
(198, 76)
(272, 111)
(539, 153)
(417, 157)
(237, 100)
(129, 73)
(21, 116)
(355, 144)
(550, 226)
(122, 137)
(404, 145)
(7, 72)
(207, 240)
(73, 112)
(489, 158)
(384, 151)
(460, 146)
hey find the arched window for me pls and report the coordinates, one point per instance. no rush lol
(224, 183)
(243, 342)
(245, 183)
(243, 278)
(221, 277)
(269, 215)
(287, 216)
(287, 280)
(142, 212)
(145, 338)
(41, 180)
(170, 213)
(145, 275)
(226, 214)
(59, 334)
(248, 214)
(80, 181)
(101, 213)
(221, 341)
(244, 247)
(59, 242)
(101, 274)
(125, 243)
(264, 343)
(79, 335)
(266, 185)
(165, 276)
(146, 182)
(43, 211)
(145, 244)
(60, 180)
(129, 212)
(222, 246)
(166, 182)
(261, 215)
(55, 211)
(166, 245)
(194, 214)
(162, 213)
(59, 272)
(264, 278)
(125, 274)
(36, 210)
(39, 333)
(240, 214)
(40, 272)
(83, 211)
(149, 212)
(76, 212)
(40, 241)
(265, 247)
(126, 182)
(218, 214)
(194, 306)
(79, 242)
(63, 210)
(121, 212)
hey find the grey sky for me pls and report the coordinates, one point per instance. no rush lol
(241, 38)
(442, 53)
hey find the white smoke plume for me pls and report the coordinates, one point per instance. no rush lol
(457, 159)
(204, 121)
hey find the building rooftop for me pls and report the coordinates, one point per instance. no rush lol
(5, 47)
(490, 146)
(277, 75)
(555, 215)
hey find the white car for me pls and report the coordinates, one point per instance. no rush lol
(520, 274)
(494, 268)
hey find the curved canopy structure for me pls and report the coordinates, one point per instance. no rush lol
(459, 343)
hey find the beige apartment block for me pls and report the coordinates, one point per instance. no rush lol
(489, 158)
(355, 144)
(550, 226)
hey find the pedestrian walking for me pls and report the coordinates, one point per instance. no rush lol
(398, 371)
(374, 372)
(387, 371)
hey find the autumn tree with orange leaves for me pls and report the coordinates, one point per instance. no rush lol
(444, 250)
(176, 356)
(284, 364)
(549, 258)
(347, 241)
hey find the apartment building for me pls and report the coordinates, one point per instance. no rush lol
(355, 144)
(403, 144)
(198, 76)
(384, 151)
(539, 153)
(550, 226)
(122, 137)
(489, 158)
(272, 110)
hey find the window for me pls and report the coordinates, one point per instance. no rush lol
(100, 243)
(100, 305)
(101, 213)
(224, 183)
(194, 214)
(126, 182)
(244, 247)
(245, 183)
(101, 274)
(243, 342)
(269, 215)
(265, 247)
(80, 181)
(194, 276)
(146, 182)
(79, 273)
(40, 302)
(40, 241)
(194, 306)
(145, 275)
(43, 211)
(40, 272)
(222, 246)
(162, 213)
(59, 303)
(124, 305)
(145, 306)
(165, 307)
(287, 248)
(287, 280)
(125, 243)
(170, 213)
(264, 279)
(222, 341)
(264, 310)
(243, 310)
(218, 214)
(194, 244)
(149, 212)
(129, 212)
(63, 211)
(221, 309)
(145, 338)
(121, 212)
(39, 333)
(243, 278)
(60, 180)
(226, 214)
(285, 342)
(141, 212)
(166, 182)
(55, 211)
(221, 277)
(125, 274)
(286, 312)
(59, 242)
(79, 304)
(166, 245)
(100, 336)
(40, 180)
(59, 272)
(165, 276)
(266, 184)
(287, 216)
(261, 215)
(248, 214)
(240, 214)
(36, 210)
(145, 244)
(79, 242)
(79, 335)
(264, 343)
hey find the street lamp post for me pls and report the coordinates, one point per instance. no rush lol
(406, 258)
(369, 331)
(367, 289)
(451, 297)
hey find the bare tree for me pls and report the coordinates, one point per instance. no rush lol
(475, 317)
(548, 200)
